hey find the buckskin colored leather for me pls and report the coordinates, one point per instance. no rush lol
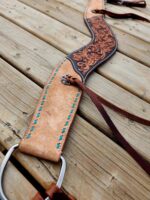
(53, 117)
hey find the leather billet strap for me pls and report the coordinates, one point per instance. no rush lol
(51, 122)
(54, 193)
(49, 127)
(46, 135)
(55, 112)
(99, 102)
(122, 15)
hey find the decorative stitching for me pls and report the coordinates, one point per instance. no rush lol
(35, 120)
(64, 130)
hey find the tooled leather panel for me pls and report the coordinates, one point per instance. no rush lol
(101, 47)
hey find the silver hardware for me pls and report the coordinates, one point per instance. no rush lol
(64, 79)
(62, 172)
(5, 161)
(2, 169)
(61, 175)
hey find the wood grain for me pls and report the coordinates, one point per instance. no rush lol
(34, 40)
(121, 69)
(15, 184)
(28, 52)
(107, 171)
(132, 131)
(136, 28)
(22, 15)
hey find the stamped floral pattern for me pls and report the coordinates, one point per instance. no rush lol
(97, 50)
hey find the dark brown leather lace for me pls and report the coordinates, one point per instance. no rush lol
(99, 101)
(133, 3)
(120, 16)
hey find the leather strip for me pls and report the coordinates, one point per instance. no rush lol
(54, 193)
(121, 16)
(49, 127)
(98, 101)
(129, 3)
(55, 112)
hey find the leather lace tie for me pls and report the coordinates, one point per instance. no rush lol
(99, 101)
(129, 3)
(120, 16)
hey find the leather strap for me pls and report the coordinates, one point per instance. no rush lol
(49, 127)
(120, 16)
(99, 101)
(54, 193)
(129, 3)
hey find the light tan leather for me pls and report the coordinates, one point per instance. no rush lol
(49, 127)
(93, 5)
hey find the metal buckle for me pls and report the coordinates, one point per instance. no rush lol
(5, 161)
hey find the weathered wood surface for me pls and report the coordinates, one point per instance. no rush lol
(54, 32)
(15, 184)
(112, 168)
(33, 41)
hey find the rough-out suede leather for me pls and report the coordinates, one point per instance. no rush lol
(49, 132)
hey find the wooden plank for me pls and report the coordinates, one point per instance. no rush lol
(49, 27)
(107, 171)
(15, 184)
(60, 33)
(133, 27)
(102, 86)
(30, 54)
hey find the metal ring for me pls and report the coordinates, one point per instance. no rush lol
(5, 161)
(62, 172)
(61, 175)
(2, 169)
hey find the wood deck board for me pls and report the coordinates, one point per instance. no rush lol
(106, 157)
(16, 187)
(98, 83)
(22, 15)
(128, 70)
(34, 49)
(135, 28)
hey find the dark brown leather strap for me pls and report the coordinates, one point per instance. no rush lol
(98, 101)
(54, 193)
(120, 16)
(129, 3)
(58, 194)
